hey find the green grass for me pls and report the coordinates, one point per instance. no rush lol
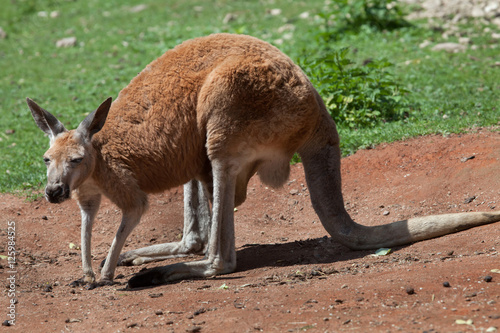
(114, 44)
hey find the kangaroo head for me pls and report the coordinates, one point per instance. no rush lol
(71, 157)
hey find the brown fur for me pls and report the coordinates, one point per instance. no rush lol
(208, 83)
(217, 110)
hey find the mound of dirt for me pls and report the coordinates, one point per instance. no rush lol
(291, 276)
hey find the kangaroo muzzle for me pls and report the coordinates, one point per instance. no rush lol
(57, 193)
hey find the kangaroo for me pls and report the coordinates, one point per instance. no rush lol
(209, 114)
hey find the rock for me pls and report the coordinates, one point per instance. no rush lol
(492, 6)
(464, 40)
(477, 12)
(275, 12)
(432, 5)
(66, 42)
(465, 159)
(138, 8)
(424, 44)
(73, 320)
(410, 291)
(469, 199)
(496, 21)
(449, 47)
(304, 15)
(199, 311)
(456, 8)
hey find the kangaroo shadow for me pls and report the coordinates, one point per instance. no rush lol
(322, 250)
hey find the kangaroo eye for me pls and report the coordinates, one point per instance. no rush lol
(76, 160)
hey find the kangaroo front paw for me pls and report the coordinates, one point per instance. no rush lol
(84, 280)
(100, 283)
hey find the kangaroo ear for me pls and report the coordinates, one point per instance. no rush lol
(45, 121)
(94, 122)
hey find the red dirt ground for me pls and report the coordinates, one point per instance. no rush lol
(291, 276)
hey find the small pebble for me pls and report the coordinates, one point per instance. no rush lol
(73, 320)
(199, 311)
(410, 291)
(488, 278)
(446, 284)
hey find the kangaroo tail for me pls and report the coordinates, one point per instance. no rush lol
(321, 160)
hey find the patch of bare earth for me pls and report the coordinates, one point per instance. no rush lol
(290, 276)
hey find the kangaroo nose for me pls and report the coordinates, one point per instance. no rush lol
(54, 192)
(57, 193)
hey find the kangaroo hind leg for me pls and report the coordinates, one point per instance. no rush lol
(195, 234)
(220, 257)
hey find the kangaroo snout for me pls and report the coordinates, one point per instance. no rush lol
(57, 193)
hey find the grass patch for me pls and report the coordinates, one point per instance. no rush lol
(442, 92)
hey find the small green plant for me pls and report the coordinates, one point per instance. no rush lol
(351, 16)
(357, 96)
